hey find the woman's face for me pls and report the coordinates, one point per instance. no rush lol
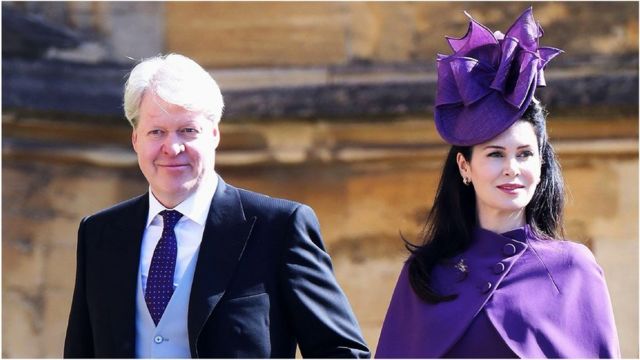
(504, 171)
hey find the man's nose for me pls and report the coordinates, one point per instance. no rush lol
(173, 145)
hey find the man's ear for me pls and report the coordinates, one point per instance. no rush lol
(134, 139)
(216, 136)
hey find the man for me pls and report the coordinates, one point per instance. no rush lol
(197, 267)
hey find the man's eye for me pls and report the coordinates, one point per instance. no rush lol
(190, 130)
(155, 132)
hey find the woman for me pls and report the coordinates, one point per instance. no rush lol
(489, 280)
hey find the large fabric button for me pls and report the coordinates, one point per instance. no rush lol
(499, 268)
(486, 287)
(509, 250)
(158, 339)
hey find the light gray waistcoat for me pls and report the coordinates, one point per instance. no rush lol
(170, 339)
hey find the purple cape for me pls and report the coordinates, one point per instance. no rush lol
(547, 299)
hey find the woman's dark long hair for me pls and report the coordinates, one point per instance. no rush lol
(450, 223)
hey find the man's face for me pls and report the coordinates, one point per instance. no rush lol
(175, 148)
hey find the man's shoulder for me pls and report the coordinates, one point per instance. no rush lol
(120, 210)
(255, 203)
(262, 202)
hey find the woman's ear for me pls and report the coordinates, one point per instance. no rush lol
(463, 165)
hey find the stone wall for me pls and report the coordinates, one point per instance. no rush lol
(274, 34)
(291, 73)
(293, 33)
(366, 181)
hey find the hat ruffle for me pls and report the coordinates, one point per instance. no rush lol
(489, 80)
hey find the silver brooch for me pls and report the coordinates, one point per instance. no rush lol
(463, 268)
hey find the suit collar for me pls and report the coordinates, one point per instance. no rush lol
(223, 242)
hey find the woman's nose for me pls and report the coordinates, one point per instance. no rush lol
(511, 167)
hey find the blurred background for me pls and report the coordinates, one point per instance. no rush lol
(328, 103)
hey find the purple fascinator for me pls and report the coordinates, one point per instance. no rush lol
(489, 80)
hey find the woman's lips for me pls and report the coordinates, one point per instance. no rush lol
(510, 188)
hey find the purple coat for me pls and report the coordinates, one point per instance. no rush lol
(545, 299)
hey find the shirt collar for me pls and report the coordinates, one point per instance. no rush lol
(195, 207)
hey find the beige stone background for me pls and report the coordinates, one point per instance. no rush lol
(368, 179)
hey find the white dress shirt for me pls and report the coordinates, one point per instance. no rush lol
(189, 229)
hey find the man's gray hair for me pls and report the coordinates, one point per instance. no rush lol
(177, 80)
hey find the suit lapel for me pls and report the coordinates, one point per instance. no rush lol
(122, 258)
(225, 236)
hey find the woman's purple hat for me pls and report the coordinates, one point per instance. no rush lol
(488, 82)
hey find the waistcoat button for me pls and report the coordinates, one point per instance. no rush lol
(499, 268)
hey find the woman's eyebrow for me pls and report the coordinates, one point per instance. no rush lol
(502, 147)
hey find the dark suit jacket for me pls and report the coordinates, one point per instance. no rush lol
(263, 282)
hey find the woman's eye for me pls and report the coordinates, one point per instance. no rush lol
(495, 154)
(526, 154)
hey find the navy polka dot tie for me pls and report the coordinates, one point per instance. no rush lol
(163, 265)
